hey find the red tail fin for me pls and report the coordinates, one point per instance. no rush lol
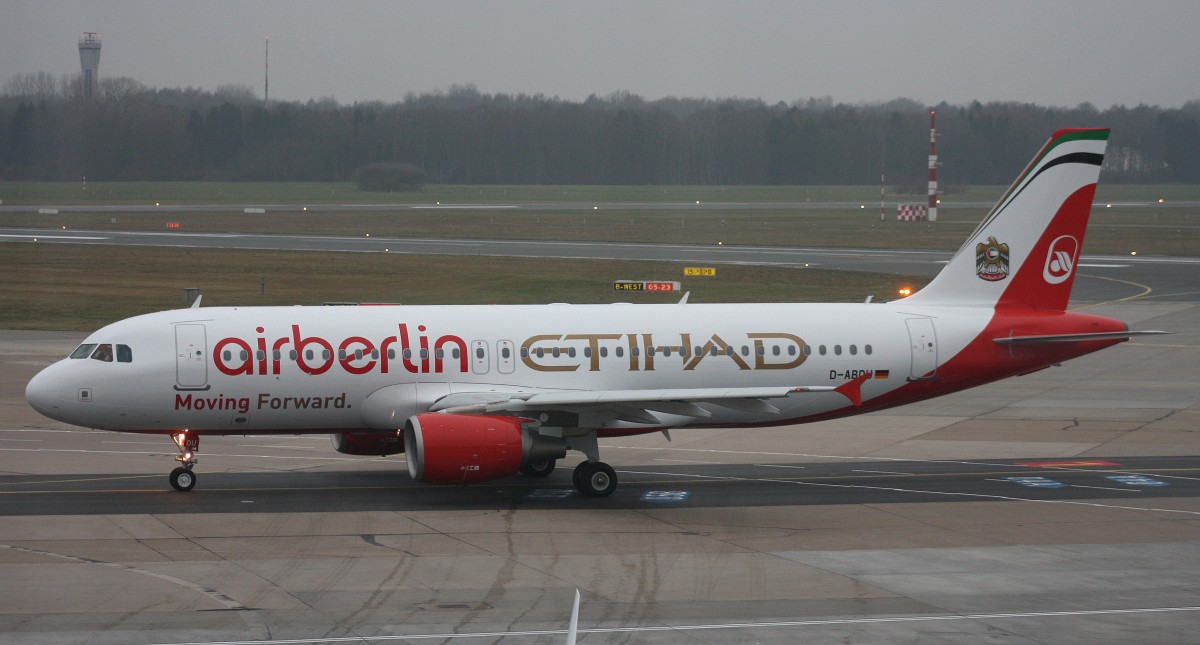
(1024, 253)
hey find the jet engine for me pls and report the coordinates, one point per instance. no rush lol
(368, 444)
(461, 448)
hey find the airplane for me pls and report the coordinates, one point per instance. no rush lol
(475, 393)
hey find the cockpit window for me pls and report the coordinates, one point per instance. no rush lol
(124, 354)
(103, 353)
(83, 351)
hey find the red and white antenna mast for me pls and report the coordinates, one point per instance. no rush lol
(931, 212)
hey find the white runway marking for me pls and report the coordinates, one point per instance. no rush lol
(52, 236)
(866, 620)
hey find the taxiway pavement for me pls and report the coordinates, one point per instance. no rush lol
(1057, 507)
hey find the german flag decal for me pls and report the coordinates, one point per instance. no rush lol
(881, 374)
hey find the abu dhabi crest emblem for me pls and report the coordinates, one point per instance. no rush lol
(991, 260)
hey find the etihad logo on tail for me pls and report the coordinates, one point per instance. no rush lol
(1060, 259)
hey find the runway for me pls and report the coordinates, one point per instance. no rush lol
(540, 207)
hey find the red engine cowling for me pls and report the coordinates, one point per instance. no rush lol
(368, 444)
(461, 448)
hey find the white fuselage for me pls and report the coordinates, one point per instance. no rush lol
(314, 369)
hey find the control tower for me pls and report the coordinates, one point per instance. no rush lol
(89, 59)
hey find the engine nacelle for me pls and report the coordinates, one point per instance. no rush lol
(368, 444)
(463, 448)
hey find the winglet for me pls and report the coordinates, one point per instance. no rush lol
(853, 389)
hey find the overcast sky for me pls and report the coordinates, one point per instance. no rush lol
(1048, 52)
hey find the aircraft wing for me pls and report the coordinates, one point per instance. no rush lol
(637, 406)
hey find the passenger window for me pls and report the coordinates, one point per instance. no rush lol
(837, 349)
(228, 356)
(791, 350)
(324, 354)
(505, 352)
(620, 352)
(275, 355)
(821, 350)
(260, 355)
(439, 353)
(103, 353)
(424, 353)
(124, 354)
(479, 353)
(454, 353)
(867, 349)
(808, 350)
(83, 351)
(375, 354)
(775, 350)
(341, 354)
(603, 352)
(650, 351)
(853, 350)
(291, 355)
(358, 354)
(745, 350)
(571, 352)
(524, 352)
(760, 350)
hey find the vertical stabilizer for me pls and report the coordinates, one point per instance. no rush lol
(1024, 253)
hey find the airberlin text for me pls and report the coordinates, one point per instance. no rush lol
(264, 401)
(422, 353)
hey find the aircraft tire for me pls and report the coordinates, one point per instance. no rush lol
(595, 479)
(183, 479)
(539, 468)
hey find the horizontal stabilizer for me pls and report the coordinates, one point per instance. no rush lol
(1073, 338)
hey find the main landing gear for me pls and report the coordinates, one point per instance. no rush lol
(595, 479)
(182, 478)
(591, 478)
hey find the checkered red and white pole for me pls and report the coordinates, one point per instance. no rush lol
(932, 208)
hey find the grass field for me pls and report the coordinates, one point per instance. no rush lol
(83, 287)
(86, 287)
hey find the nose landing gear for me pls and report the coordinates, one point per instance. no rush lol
(182, 478)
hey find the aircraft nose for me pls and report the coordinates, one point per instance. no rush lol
(44, 392)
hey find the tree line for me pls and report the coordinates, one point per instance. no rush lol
(51, 129)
